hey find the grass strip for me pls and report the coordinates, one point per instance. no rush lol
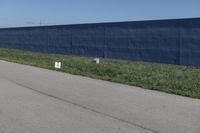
(174, 79)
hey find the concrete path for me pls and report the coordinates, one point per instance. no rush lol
(35, 100)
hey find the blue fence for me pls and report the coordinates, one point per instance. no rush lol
(164, 41)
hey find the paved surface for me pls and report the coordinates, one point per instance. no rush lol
(34, 100)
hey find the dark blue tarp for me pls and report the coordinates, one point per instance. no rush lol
(164, 41)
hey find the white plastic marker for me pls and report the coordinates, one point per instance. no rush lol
(57, 65)
(97, 60)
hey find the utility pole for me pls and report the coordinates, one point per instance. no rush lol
(40, 23)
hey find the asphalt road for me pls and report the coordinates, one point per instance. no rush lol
(35, 100)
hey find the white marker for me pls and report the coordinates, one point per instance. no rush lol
(97, 60)
(57, 65)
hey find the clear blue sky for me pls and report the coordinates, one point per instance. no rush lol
(50, 12)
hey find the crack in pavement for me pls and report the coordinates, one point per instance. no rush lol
(84, 107)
